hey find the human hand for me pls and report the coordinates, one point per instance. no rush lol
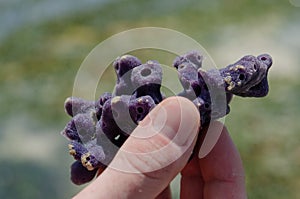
(159, 149)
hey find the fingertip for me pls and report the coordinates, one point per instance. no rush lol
(210, 137)
(183, 117)
(183, 104)
(100, 170)
(168, 132)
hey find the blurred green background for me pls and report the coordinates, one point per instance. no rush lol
(43, 43)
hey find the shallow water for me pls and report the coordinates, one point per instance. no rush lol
(15, 14)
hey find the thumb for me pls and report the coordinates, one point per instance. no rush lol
(154, 154)
(163, 137)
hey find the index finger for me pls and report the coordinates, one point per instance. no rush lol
(219, 174)
(222, 169)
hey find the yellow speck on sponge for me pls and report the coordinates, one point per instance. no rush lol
(115, 99)
(237, 67)
(71, 149)
(228, 79)
(124, 57)
(231, 86)
(140, 100)
(85, 161)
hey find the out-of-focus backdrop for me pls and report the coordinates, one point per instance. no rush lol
(43, 43)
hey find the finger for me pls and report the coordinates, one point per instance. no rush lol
(222, 169)
(165, 194)
(100, 170)
(230, 176)
(144, 166)
(191, 183)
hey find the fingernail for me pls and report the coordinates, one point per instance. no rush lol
(178, 119)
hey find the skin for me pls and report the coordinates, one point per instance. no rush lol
(220, 174)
